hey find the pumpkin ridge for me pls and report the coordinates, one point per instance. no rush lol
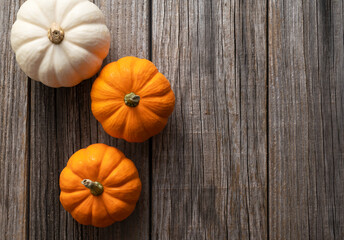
(81, 203)
(75, 80)
(130, 178)
(107, 210)
(55, 11)
(153, 74)
(51, 63)
(32, 22)
(100, 20)
(89, 153)
(42, 15)
(75, 176)
(30, 40)
(34, 40)
(117, 86)
(97, 43)
(101, 161)
(69, 190)
(113, 86)
(108, 100)
(161, 106)
(114, 167)
(113, 116)
(57, 76)
(71, 41)
(130, 66)
(77, 203)
(110, 85)
(67, 10)
(61, 48)
(119, 190)
(130, 202)
(148, 80)
(154, 92)
(44, 12)
(151, 111)
(124, 130)
(159, 119)
(125, 202)
(93, 61)
(116, 106)
(121, 131)
(94, 210)
(77, 45)
(75, 172)
(69, 164)
(47, 54)
(40, 60)
(64, 51)
(142, 120)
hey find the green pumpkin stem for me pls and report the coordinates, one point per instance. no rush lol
(131, 99)
(95, 187)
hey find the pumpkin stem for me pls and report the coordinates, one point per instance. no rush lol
(95, 187)
(55, 33)
(131, 99)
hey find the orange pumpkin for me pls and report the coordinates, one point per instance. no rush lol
(99, 186)
(131, 99)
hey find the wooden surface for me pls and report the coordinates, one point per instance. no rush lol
(209, 165)
(253, 150)
(14, 147)
(306, 119)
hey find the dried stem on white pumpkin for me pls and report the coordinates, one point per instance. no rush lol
(55, 33)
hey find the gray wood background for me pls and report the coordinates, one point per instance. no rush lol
(253, 150)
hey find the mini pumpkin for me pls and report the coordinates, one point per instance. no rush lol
(60, 42)
(132, 99)
(99, 186)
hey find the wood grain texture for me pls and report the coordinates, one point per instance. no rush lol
(62, 123)
(306, 127)
(209, 164)
(253, 150)
(13, 132)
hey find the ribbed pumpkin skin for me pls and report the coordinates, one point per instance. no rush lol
(140, 76)
(119, 177)
(78, 57)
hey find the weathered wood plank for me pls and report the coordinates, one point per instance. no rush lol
(13, 132)
(62, 123)
(306, 121)
(209, 164)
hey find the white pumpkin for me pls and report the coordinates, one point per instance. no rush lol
(60, 42)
